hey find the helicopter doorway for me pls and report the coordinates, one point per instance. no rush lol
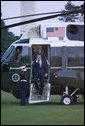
(34, 97)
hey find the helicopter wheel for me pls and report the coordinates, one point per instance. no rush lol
(66, 100)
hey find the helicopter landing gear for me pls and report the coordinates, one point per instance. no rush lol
(69, 99)
(66, 100)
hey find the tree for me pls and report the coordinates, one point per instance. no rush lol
(72, 17)
(7, 38)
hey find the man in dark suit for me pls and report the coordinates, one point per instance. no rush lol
(40, 72)
(40, 52)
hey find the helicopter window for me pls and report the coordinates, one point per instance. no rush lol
(71, 60)
(21, 55)
(75, 58)
(56, 59)
(82, 59)
(17, 55)
(75, 32)
(8, 54)
(72, 29)
(25, 56)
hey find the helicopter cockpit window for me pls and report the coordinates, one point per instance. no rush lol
(17, 55)
(75, 32)
(20, 56)
(7, 55)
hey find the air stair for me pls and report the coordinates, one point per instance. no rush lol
(37, 98)
(33, 96)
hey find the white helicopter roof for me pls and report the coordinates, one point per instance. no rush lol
(30, 32)
(62, 23)
(40, 41)
(52, 41)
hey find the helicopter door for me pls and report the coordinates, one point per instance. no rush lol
(46, 90)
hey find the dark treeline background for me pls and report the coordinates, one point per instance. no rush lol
(7, 38)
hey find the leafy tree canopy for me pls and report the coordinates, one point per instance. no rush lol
(7, 38)
(72, 17)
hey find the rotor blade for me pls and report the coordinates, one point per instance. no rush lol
(31, 15)
(42, 18)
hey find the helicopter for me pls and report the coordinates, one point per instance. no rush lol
(63, 44)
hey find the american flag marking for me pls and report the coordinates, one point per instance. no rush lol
(55, 32)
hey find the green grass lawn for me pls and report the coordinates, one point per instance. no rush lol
(49, 113)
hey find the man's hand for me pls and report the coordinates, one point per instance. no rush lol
(37, 60)
(48, 62)
(46, 75)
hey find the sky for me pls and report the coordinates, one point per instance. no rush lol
(12, 9)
